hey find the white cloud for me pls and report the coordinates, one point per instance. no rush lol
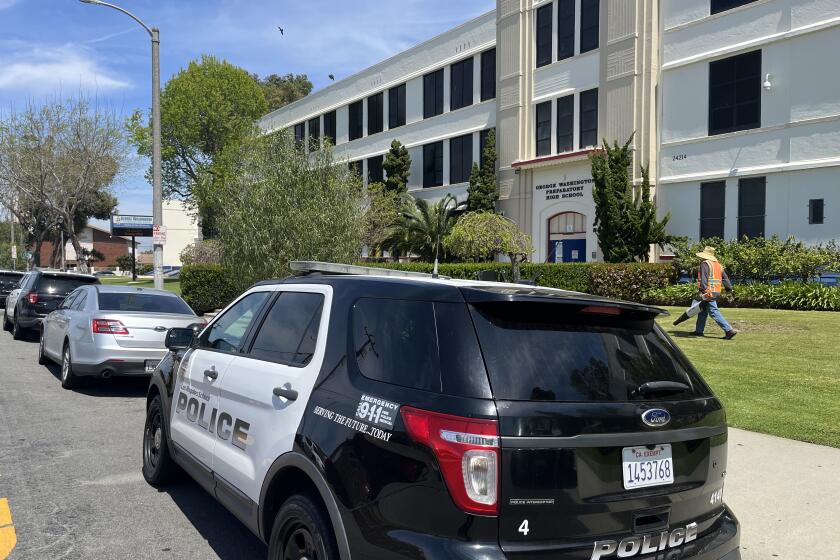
(7, 4)
(38, 70)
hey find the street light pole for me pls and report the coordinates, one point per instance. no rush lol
(157, 185)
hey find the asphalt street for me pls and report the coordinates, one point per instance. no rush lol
(70, 472)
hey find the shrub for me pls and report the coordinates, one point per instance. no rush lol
(207, 251)
(788, 295)
(628, 281)
(206, 287)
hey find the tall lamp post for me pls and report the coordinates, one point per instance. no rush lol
(157, 189)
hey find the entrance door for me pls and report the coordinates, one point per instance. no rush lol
(567, 238)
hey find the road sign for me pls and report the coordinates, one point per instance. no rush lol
(14, 252)
(137, 226)
(159, 235)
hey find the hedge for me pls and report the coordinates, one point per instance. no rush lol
(623, 281)
(788, 295)
(206, 287)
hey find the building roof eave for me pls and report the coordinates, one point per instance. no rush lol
(546, 161)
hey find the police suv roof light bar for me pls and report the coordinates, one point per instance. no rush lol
(310, 267)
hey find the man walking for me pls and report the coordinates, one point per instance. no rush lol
(710, 279)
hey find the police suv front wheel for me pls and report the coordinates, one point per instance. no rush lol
(302, 531)
(158, 467)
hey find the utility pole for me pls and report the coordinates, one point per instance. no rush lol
(157, 185)
(12, 229)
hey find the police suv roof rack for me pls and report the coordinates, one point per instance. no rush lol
(316, 267)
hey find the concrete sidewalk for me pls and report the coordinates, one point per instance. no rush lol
(786, 495)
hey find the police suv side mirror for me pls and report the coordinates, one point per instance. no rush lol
(179, 338)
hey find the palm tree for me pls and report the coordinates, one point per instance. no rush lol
(422, 229)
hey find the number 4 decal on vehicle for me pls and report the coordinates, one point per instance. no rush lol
(524, 528)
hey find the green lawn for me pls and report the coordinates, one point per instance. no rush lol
(173, 285)
(780, 375)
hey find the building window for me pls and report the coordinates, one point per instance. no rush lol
(735, 93)
(751, 207)
(396, 106)
(712, 209)
(460, 159)
(374, 170)
(590, 24)
(329, 126)
(433, 94)
(543, 128)
(357, 123)
(588, 118)
(566, 124)
(816, 211)
(300, 132)
(314, 133)
(482, 144)
(488, 75)
(433, 165)
(565, 29)
(544, 35)
(723, 5)
(374, 116)
(461, 84)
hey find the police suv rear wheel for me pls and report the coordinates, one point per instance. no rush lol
(158, 467)
(302, 531)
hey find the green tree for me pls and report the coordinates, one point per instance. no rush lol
(422, 229)
(397, 166)
(383, 208)
(206, 110)
(124, 262)
(279, 90)
(282, 203)
(625, 217)
(483, 192)
(483, 235)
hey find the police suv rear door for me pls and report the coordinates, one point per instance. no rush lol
(267, 388)
(196, 421)
(611, 442)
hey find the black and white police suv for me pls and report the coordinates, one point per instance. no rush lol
(360, 413)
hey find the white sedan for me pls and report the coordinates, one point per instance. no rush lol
(101, 331)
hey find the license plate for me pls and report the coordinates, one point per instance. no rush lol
(151, 365)
(644, 467)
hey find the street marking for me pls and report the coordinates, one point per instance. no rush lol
(8, 538)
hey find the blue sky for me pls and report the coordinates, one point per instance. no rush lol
(50, 47)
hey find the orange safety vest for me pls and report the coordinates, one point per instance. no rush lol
(715, 283)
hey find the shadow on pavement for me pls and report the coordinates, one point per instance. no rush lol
(223, 532)
(115, 387)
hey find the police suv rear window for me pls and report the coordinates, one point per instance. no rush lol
(62, 285)
(559, 352)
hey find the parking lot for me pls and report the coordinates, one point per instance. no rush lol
(70, 469)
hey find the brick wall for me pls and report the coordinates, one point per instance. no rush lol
(110, 247)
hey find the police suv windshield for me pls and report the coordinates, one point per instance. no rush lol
(557, 352)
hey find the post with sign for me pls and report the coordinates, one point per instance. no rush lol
(132, 226)
(133, 260)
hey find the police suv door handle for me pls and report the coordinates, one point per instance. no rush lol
(211, 373)
(289, 394)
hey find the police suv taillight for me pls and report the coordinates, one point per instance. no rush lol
(467, 450)
(108, 326)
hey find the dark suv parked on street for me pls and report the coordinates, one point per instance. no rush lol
(41, 292)
(352, 412)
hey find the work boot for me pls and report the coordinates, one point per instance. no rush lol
(681, 319)
(730, 335)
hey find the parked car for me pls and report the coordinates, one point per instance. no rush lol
(40, 292)
(408, 417)
(9, 280)
(100, 331)
(104, 273)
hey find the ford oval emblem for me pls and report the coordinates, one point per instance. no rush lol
(656, 417)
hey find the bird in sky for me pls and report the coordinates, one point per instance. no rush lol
(280, 29)
(332, 77)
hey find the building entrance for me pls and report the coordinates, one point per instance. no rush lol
(567, 238)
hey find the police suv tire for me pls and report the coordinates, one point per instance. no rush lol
(158, 467)
(17, 330)
(302, 530)
(42, 358)
(69, 380)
